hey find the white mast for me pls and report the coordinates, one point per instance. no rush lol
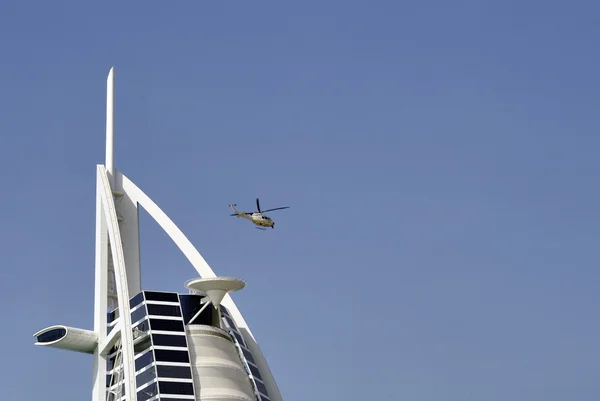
(110, 125)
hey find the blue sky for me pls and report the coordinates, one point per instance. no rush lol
(440, 159)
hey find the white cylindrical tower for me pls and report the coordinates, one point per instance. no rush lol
(216, 366)
(217, 370)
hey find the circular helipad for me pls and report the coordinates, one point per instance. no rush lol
(227, 284)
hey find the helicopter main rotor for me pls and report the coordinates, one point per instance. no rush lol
(268, 210)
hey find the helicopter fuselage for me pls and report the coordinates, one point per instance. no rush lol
(261, 220)
(258, 218)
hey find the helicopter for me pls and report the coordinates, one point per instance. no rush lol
(258, 217)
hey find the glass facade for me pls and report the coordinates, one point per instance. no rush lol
(162, 360)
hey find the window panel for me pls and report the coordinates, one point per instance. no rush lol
(171, 356)
(190, 305)
(164, 310)
(138, 314)
(261, 387)
(138, 299)
(172, 341)
(254, 371)
(179, 372)
(144, 360)
(111, 316)
(166, 325)
(145, 377)
(206, 317)
(248, 355)
(239, 337)
(231, 323)
(161, 296)
(147, 392)
(176, 388)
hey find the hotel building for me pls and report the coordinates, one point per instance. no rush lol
(155, 345)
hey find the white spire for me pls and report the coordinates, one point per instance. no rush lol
(110, 109)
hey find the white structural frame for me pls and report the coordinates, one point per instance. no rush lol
(118, 261)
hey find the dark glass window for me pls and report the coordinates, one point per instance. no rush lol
(52, 335)
(138, 299)
(190, 305)
(248, 355)
(145, 377)
(254, 371)
(144, 360)
(111, 316)
(239, 337)
(180, 372)
(263, 398)
(147, 392)
(172, 341)
(261, 387)
(171, 356)
(231, 323)
(225, 311)
(166, 325)
(164, 310)
(206, 317)
(176, 388)
(161, 296)
(138, 314)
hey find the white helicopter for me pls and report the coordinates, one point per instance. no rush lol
(258, 217)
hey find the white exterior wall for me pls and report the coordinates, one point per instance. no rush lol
(217, 370)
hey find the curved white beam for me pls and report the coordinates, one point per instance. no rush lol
(118, 258)
(204, 270)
